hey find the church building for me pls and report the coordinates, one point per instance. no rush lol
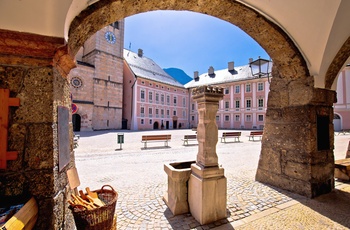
(97, 82)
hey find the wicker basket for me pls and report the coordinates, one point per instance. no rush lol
(99, 218)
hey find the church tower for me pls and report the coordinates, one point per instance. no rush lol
(97, 82)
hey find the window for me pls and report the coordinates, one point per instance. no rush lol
(237, 117)
(175, 99)
(237, 104)
(157, 97)
(227, 105)
(142, 121)
(157, 86)
(260, 117)
(142, 95)
(247, 88)
(248, 103)
(150, 84)
(227, 90)
(162, 98)
(184, 113)
(248, 117)
(227, 117)
(142, 82)
(237, 89)
(260, 86)
(192, 106)
(162, 112)
(261, 102)
(168, 99)
(150, 111)
(192, 118)
(174, 112)
(157, 112)
(217, 118)
(150, 121)
(168, 112)
(142, 111)
(184, 102)
(150, 96)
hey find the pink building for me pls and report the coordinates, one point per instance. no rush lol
(152, 99)
(245, 101)
(342, 107)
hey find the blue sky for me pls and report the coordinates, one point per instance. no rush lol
(189, 41)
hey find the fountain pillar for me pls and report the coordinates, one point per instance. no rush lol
(207, 183)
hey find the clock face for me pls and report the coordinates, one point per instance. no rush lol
(76, 82)
(110, 37)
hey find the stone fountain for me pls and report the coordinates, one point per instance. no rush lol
(204, 179)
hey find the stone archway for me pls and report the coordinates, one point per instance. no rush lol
(286, 160)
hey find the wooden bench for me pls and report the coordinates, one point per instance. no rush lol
(255, 134)
(344, 131)
(153, 138)
(234, 135)
(342, 169)
(189, 138)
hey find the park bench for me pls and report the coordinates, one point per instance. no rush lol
(344, 131)
(234, 135)
(255, 134)
(189, 138)
(342, 169)
(153, 138)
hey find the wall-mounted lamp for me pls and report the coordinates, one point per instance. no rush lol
(260, 68)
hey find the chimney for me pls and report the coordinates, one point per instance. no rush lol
(210, 70)
(196, 77)
(250, 60)
(140, 53)
(231, 66)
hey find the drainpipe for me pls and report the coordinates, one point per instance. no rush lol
(132, 102)
(189, 109)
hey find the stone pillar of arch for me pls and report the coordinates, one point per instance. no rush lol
(33, 68)
(298, 141)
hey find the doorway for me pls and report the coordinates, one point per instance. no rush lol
(76, 120)
(155, 125)
(337, 122)
(167, 124)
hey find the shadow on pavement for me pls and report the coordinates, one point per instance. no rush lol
(187, 221)
(156, 147)
(334, 205)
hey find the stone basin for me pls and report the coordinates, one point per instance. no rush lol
(176, 197)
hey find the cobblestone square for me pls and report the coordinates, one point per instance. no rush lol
(139, 178)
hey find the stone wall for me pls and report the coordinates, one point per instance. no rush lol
(293, 157)
(33, 128)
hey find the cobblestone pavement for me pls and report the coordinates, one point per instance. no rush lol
(139, 178)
